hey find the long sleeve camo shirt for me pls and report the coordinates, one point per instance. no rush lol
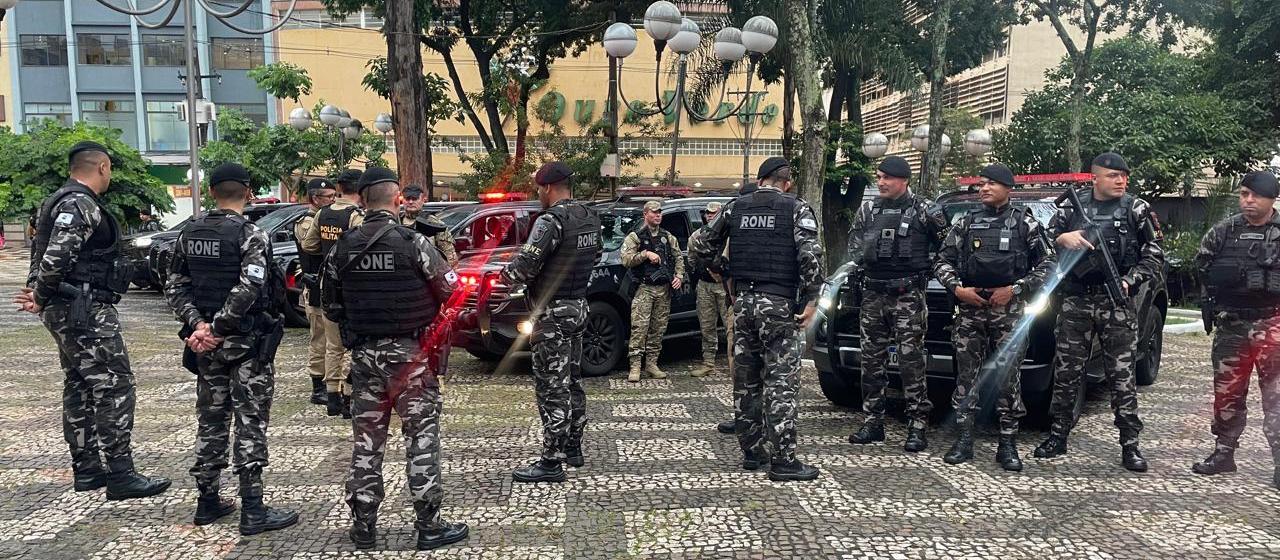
(254, 260)
(1041, 256)
(544, 238)
(1151, 258)
(1214, 239)
(74, 220)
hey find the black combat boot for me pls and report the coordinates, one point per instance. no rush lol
(1007, 454)
(573, 456)
(871, 431)
(255, 517)
(211, 507)
(541, 470)
(729, 426)
(346, 407)
(1132, 459)
(364, 526)
(434, 532)
(90, 478)
(916, 441)
(962, 450)
(125, 485)
(333, 406)
(317, 391)
(754, 462)
(1222, 460)
(1051, 447)
(795, 471)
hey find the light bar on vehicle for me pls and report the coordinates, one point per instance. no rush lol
(499, 196)
(1038, 178)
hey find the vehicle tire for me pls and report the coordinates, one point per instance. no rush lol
(604, 341)
(840, 389)
(294, 315)
(483, 355)
(1150, 338)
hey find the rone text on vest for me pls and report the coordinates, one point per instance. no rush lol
(588, 240)
(204, 248)
(765, 221)
(377, 262)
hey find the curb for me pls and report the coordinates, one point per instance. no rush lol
(1185, 328)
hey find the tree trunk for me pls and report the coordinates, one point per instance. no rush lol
(1079, 75)
(522, 127)
(813, 116)
(788, 112)
(431, 172)
(937, 89)
(834, 238)
(491, 107)
(465, 101)
(404, 63)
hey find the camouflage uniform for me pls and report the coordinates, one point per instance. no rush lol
(1085, 315)
(443, 241)
(98, 389)
(651, 305)
(713, 310)
(895, 319)
(766, 338)
(982, 335)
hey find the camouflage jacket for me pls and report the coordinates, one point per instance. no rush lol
(1150, 255)
(75, 218)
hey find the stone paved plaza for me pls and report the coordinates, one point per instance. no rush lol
(659, 481)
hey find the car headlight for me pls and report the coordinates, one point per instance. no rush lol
(525, 327)
(142, 242)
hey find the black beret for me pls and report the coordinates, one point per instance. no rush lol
(1262, 183)
(348, 176)
(412, 191)
(87, 146)
(230, 172)
(320, 184)
(1111, 160)
(552, 172)
(748, 188)
(999, 173)
(375, 175)
(895, 166)
(770, 165)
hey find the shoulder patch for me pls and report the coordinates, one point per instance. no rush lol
(808, 224)
(65, 219)
(255, 272)
(451, 277)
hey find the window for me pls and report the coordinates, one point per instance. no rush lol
(44, 50)
(163, 50)
(498, 230)
(34, 113)
(236, 54)
(614, 227)
(676, 222)
(102, 49)
(165, 132)
(256, 112)
(117, 114)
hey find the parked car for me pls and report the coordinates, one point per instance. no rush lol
(835, 338)
(137, 247)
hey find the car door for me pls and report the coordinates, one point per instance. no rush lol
(684, 313)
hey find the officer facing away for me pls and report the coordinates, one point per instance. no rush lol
(320, 193)
(386, 283)
(775, 256)
(222, 291)
(993, 260)
(77, 275)
(556, 264)
(1236, 261)
(657, 266)
(713, 307)
(890, 241)
(330, 223)
(1132, 235)
(427, 224)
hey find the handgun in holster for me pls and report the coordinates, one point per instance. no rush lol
(77, 303)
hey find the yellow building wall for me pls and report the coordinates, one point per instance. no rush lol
(335, 59)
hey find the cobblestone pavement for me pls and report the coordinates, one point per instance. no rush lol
(659, 481)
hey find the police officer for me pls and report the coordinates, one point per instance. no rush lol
(427, 224)
(330, 223)
(1132, 235)
(320, 193)
(77, 275)
(221, 289)
(994, 260)
(657, 266)
(891, 240)
(386, 283)
(1235, 262)
(776, 233)
(556, 264)
(713, 306)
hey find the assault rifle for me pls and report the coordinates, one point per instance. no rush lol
(1101, 254)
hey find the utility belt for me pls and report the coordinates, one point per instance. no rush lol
(771, 288)
(896, 286)
(352, 339)
(1079, 289)
(72, 291)
(1251, 313)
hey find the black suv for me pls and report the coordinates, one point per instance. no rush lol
(502, 318)
(835, 339)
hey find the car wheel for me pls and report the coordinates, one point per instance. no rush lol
(1151, 345)
(294, 315)
(842, 389)
(603, 341)
(483, 355)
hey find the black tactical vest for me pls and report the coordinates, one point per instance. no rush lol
(894, 244)
(211, 245)
(663, 272)
(310, 264)
(762, 245)
(1245, 274)
(1119, 233)
(332, 224)
(568, 271)
(99, 256)
(994, 251)
(384, 294)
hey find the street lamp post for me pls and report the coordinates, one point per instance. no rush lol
(383, 123)
(977, 142)
(331, 117)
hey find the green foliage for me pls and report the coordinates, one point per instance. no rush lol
(958, 122)
(34, 164)
(585, 152)
(283, 80)
(1182, 243)
(436, 103)
(1153, 106)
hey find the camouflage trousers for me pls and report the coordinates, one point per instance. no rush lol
(713, 310)
(317, 348)
(392, 374)
(233, 386)
(766, 375)
(650, 310)
(1240, 346)
(97, 391)
(898, 321)
(557, 374)
(1082, 317)
(989, 359)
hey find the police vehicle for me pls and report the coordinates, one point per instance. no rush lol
(835, 338)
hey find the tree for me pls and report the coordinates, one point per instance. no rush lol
(802, 20)
(282, 80)
(435, 105)
(1156, 107)
(585, 152)
(407, 92)
(33, 165)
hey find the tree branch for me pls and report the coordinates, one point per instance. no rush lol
(1056, 20)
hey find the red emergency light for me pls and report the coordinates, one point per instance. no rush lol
(1038, 178)
(502, 196)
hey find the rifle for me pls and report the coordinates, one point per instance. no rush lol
(1206, 313)
(1094, 237)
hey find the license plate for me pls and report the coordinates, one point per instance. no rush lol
(893, 356)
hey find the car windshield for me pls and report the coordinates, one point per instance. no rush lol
(1042, 210)
(272, 221)
(614, 227)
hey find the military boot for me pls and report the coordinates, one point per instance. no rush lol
(541, 470)
(256, 517)
(1132, 459)
(346, 407)
(333, 406)
(871, 431)
(651, 368)
(90, 478)
(729, 426)
(962, 450)
(128, 484)
(211, 507)
(792, 472)
(915, 441)
(1222, 460)
(1007, 454)
(702, 370)
(1051, 447)
(364, 525)
(573, 456)
(633, 376)
(317, 391)
(434, 532)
